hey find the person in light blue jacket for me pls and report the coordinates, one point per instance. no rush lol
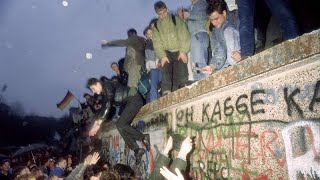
(225, 40)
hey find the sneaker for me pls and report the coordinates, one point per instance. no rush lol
(138, 153)
(146, 141)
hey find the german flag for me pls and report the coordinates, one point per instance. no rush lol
(66, 100)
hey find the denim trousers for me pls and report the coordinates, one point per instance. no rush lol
(280, 9)
(155, 79)
(174, 74)
(132, 105)
(199, 53)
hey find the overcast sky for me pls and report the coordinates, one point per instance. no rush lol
(43, 46)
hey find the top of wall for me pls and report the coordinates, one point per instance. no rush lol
(286, 53)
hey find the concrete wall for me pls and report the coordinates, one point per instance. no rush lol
(259, 119)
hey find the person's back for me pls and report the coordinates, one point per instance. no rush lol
(137, 43)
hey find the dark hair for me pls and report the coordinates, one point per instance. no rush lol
(153, 21)
(159, 5)
(132, 31)
(114, 78)
(92, 170)
(35, 170)
(86, 94)
(124, 171)
(217, 5)
(60, 159)
(4, 161)
(113, 64)
(110, 175)
(92, 81)
(146, 29)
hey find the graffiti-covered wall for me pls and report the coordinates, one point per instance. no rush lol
(259, 119)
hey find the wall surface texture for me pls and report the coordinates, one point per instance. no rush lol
(259, 119)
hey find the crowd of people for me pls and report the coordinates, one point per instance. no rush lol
(47, 164)
(178, 49)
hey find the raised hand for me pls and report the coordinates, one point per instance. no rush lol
(171, 176)
(186, 147)
(168, 146)
(104, 42)
(95, 158)
(87, 160)
(96, 126)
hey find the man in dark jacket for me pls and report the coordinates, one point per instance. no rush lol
(118, 95)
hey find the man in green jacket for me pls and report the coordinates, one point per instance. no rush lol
(171, 40)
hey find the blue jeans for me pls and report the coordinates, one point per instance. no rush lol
(199, 52)
(280, 10)
(155, 78)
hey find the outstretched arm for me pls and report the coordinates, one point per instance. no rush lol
(124, 42)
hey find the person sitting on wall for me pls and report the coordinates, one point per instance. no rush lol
(118, 95)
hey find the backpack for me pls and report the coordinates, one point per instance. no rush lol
(173, 20)
(144, 82)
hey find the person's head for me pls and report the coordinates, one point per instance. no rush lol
(26, 177)
(95, 85)
(115, 67)
(5, 166)
(161, 9)
(62, 163)
(21, 170)
(115, 79)
(124, 171)
(217, 12)
(51, 163)
(110, 175)
(86, 96)
(37, 172)
(153, 22)
(148, 33)
(92, 172)
(132, 32)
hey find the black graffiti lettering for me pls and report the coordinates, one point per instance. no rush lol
(316, 96)
(243, 107)
(216, 111)
(189, 114)
(290, 101)
(180, 115)
(256, 102)
(228, 110)
(205, 112)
